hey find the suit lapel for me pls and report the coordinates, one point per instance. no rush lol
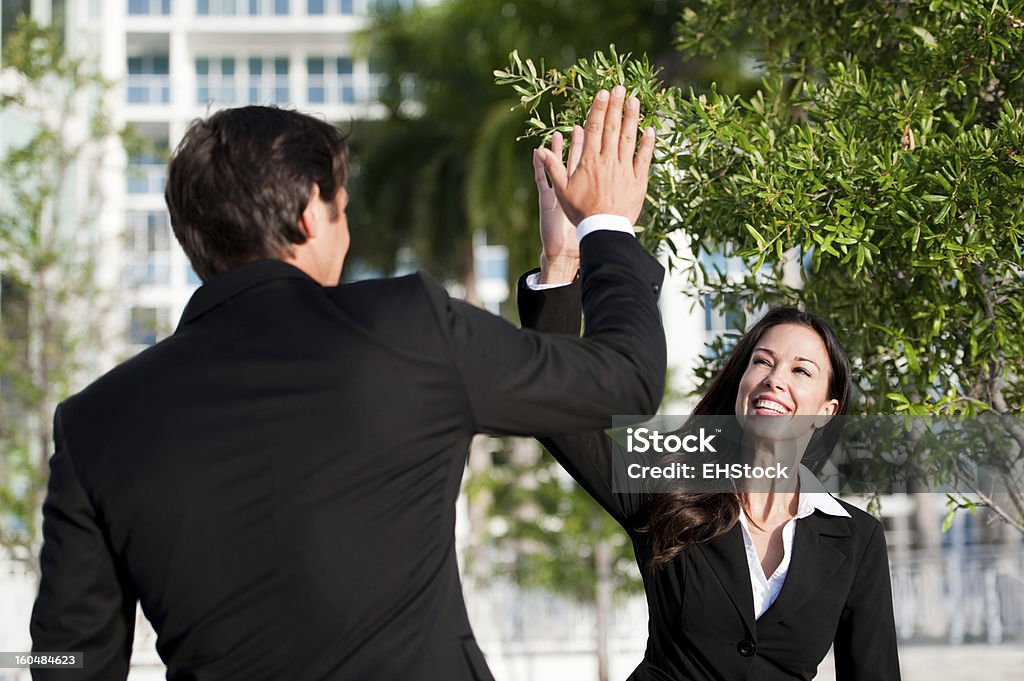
(728, 560)
(813, 563)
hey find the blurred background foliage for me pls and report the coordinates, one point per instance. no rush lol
(55, 318)
(444, 163)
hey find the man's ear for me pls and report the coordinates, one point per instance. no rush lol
(308, 219)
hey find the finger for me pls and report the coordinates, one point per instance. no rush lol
(539, 176)
(642, 161)
(557, 144)
(556, 171)
(576, 150)
(613, 120)
(595, 124)
(627, 139)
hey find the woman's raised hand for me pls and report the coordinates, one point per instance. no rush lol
(560, 248)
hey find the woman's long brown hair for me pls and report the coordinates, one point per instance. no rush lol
(679, 519)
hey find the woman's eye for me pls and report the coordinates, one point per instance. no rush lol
(805, 372)
(763, 361)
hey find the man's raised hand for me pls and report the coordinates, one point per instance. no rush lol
(611, 177)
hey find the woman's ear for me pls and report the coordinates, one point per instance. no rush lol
(828, 410)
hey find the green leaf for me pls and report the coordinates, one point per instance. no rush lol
(911, 354)
(947, 521)
(761, 242)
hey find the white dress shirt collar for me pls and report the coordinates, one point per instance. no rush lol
(813, 497)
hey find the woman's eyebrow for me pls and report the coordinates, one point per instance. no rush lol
(798, 358)
(807, 359)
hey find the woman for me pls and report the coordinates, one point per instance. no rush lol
(743, 585)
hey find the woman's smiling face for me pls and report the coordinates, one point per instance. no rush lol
(787, 375)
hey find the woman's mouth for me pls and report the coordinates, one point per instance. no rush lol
(766, 407)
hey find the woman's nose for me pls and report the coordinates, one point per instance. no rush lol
(772, 380)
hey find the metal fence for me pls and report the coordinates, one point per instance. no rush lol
(960, 595)
(954, 596)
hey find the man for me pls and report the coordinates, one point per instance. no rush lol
(276, 481)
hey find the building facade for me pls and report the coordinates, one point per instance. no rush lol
(177, 60)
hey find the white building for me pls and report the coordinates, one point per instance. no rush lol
(176, 60)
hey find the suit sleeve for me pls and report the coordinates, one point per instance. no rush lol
(865, 644)
(84, 602)
(588, 457)
(519, 382)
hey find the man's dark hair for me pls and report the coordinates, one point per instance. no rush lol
(239, 180)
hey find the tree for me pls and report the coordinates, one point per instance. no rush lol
(882, 155)
(51, 323)
(445, 164)
(551, 535)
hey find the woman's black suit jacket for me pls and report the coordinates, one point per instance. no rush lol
(701, 610)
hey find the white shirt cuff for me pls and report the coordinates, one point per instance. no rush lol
(533, 283)
(604, 221)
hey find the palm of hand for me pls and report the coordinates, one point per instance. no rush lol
(557, 233)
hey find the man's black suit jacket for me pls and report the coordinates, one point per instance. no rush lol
(276, 481)
(702, 625)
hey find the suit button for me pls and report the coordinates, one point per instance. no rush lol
(746, 648)
(656, 288)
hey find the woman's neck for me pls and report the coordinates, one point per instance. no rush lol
(769, 499)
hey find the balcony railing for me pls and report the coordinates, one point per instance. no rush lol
(272, 89)
(148, 88)
(152, 271)
(149, 7)
(147, 178)
(244, 8)
(331, 89)
(217, 89)
(271, 8)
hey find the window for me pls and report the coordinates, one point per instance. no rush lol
(215, 81)
(719, 323)
(251, 8)
(148, 79)
(344, 88)
(147, 174)
(378, 81)
(319, 7)
(149, 7)
(147, 324)
(491, 262)
(268, 80)
(207, 7)
(330, 81)
(317, 92)
(148, 248)
(9, 12)
(374, 5)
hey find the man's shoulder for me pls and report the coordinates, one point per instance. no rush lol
(133, 375)
(415, 281)
(404, 296)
